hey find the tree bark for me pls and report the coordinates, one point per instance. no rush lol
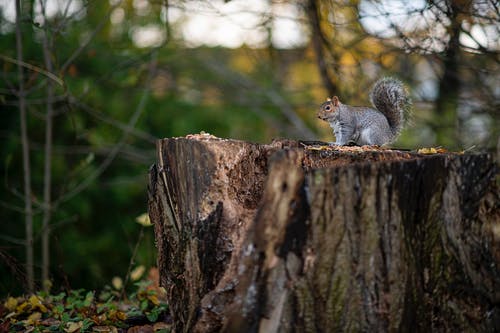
(292, 237)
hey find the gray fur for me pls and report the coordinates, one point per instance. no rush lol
(367, 126)
(363, 126)
(389, 96)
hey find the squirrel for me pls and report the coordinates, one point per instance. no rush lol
(363, 125)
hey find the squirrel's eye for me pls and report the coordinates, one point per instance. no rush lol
(328, 108)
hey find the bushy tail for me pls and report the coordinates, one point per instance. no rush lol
(390, 97)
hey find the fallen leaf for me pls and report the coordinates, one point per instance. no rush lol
(105, 329)
(99, 319)
(5, 327)
(10, 303)
(29, 329)
(161, 326)
(116, 315)
(50, 322)
(427, 151)
(141, 329)
(154, 299)
(21, 307)
(36, 303)
(10, 315)
(33, 318)
(73, 326)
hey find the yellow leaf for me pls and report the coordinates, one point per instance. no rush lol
(115, 315)
(33, 318)
(112, 314)
(36, 303)
(21, 307)
(153, 299)
(143, 220)
(72, 327)
(10, 303)
(137, 273)
(427, 151)
(121, 315)
(117, 282)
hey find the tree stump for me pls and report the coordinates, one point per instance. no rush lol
(298, 237)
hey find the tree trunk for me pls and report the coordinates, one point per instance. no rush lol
(296, 237)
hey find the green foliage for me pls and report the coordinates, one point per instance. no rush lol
(103, 87)
(81, 310)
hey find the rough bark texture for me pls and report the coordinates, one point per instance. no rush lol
(290, 237)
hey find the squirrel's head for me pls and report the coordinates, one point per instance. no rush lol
(329, 108)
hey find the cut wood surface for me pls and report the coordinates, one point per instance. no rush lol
(302, 237)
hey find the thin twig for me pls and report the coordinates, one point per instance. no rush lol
(273, 96)
(116, 149)
(26, 157)
(21, 63)
(82, 47)
(116, 123)
(132, 262)
(47, 173)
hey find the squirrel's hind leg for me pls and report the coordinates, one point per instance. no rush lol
(373, 137)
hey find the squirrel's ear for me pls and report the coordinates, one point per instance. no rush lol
(336, 101)
(328, 99)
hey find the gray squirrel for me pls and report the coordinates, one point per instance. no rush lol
(363, 125)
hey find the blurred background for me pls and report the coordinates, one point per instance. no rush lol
(87, 87)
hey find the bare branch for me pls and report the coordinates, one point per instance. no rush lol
(82, 47)
(116, 123)
(21, 63)
(317, 38)
(116, 149)
(285, 108)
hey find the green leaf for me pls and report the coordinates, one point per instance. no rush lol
(87, 323)
(152, 316)
(59, 309)
(59, 297)
(88, 299)
(54, 328)
(65, 317)
(154, 313)
(144, 304)
(134, 313)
